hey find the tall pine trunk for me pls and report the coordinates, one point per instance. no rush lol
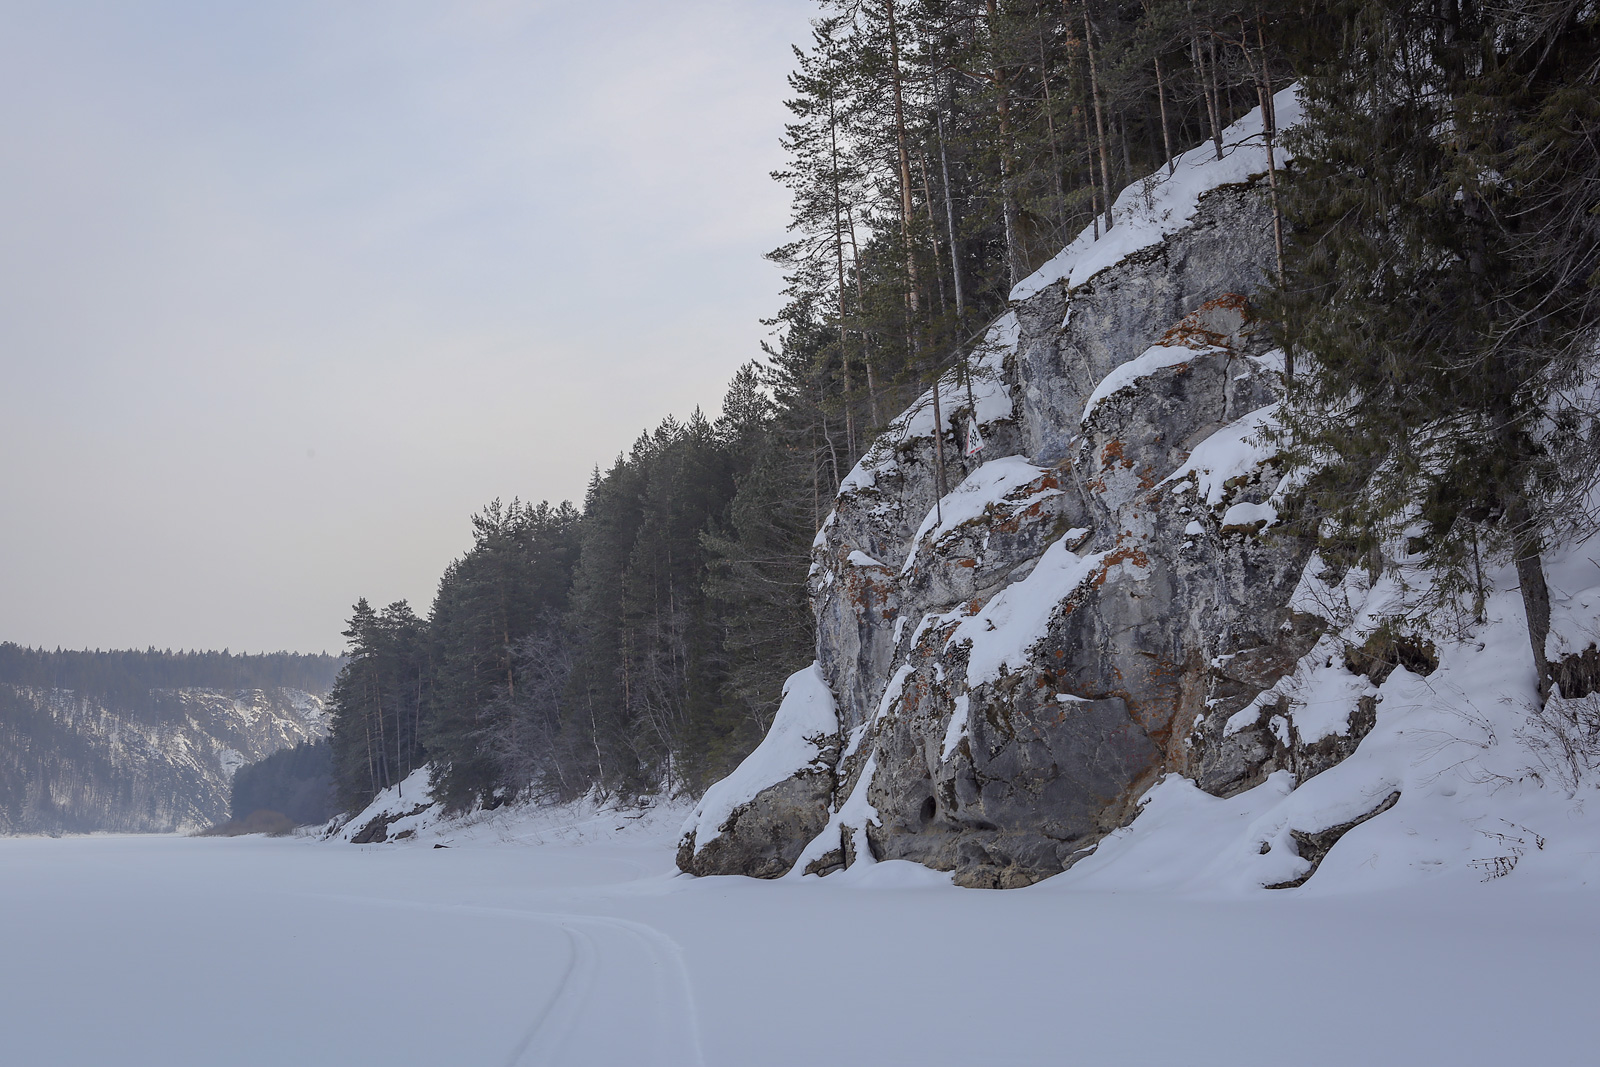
(1166, 129)
(1535, 592)
(950, 222)
(1207, 92)
(861, 302)
(1099, 120)
(838, 247)
(905, 158)
(1269, 123)
(933, 227)
(1011, 215)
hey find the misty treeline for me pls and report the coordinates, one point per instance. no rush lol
(126, 678)
(939, 152)
(632, 646)
(296, 783)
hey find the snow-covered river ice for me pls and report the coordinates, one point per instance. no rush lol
(545, 947)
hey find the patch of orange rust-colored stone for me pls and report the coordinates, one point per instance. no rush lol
(1133, 555)
(861, 594)
(1189, 330)
(1229, 302)
(1112, 452)
(1014, 522)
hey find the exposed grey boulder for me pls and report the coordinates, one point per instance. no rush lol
(755, 821)
(1031, 781)
(763, 836)
(1314, 846)
(1122, 310)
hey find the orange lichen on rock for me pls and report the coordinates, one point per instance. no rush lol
(1112, 452)
(1197, 326)
(1132, 555)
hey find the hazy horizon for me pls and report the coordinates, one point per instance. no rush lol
(296, 289)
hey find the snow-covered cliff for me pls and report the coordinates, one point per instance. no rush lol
(1104, 617)
(74, 763)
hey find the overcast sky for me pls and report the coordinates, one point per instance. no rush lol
(288, 290)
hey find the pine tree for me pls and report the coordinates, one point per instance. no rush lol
(377, 703)
(1439, 292)
(518, 570)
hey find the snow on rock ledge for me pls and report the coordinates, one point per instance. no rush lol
(756, 820)
(395, 814)
(1162, 204)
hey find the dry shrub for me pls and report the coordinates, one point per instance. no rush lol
(1564, 735)
(261, 821)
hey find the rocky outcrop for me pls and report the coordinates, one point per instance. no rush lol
(756, 821)
(763, 836)
(1313, 846)
(1104, 599)
(1073, 339)
(375, 831)
(1577, 674)
(1025, 667)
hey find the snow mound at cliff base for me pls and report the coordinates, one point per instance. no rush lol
(1481, 797)
(409, 816)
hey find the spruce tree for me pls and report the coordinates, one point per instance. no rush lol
(1440, 292)
(518, 570)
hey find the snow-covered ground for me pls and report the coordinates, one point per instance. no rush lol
(568, 938)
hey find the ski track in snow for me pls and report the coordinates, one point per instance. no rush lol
(557, 1021)
(575, 1012)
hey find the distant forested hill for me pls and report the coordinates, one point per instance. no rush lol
(130, 672)
(144, 741)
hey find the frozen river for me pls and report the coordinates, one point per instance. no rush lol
(168, 950)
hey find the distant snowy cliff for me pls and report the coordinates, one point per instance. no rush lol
(1104, 617)
(73, 762)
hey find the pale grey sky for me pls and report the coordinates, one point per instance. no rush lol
(291, 289)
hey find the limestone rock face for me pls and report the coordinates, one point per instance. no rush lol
(1120, 311)
(1105, 598)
